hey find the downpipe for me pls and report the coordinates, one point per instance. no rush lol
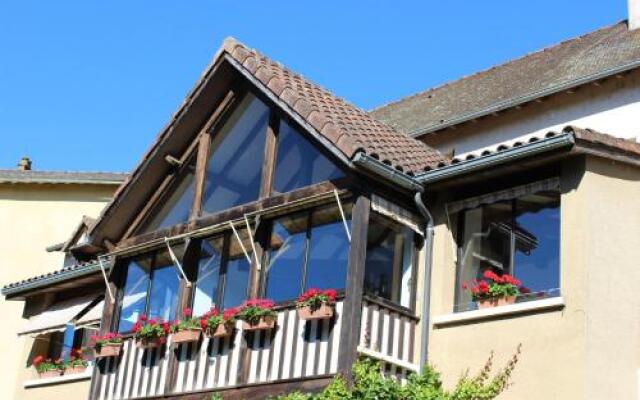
(426, 295)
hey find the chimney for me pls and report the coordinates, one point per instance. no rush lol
(634, 14)
(24, 164)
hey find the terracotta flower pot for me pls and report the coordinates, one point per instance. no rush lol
(265, 323)
(185, 336)
(108, 350)
(149, 344)
(222, 330)
(325, 311)
(78, 369)
(496, 302)
(50, 373)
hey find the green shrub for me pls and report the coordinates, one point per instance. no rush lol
(370, 384)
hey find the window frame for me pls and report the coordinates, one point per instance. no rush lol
(227, 237)
(153, 254)
(460, 216)
(265, 259)
(415, 258)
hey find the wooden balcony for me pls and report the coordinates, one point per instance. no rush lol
(295, 352)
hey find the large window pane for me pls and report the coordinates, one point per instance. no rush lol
(176, 208)
(206, 288)
(238, 270)
(328, 249)
(299, 163)
(389, 261)
(134, 293)
(165, 283)
(286, 257)
(234, 168)
(538, 242)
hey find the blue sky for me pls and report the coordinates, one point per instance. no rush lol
(87, 85)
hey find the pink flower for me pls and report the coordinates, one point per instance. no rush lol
(142, 317)
(186, 312)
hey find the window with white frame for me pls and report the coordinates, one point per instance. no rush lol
(515, 232)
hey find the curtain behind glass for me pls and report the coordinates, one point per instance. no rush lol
(234, 168)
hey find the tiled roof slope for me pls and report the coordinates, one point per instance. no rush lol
(68, 272)
(346, 126)
(595, 55)
(61, 177)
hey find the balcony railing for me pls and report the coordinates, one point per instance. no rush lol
(295, 349)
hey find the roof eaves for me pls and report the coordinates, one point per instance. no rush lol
(55, 277)
(510, 103)
(457, 167)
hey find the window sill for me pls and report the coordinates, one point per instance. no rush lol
(498, 312)
(32, 383)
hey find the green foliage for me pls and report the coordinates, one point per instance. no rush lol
(370, 384)
(215, 396)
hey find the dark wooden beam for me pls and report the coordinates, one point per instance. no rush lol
(270, 150)
(352, 309)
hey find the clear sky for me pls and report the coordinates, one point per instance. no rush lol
(86, 85)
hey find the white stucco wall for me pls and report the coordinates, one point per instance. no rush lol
(612, 107)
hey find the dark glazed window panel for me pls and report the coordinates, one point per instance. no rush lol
(234, 168)
(165, 283)
(176, 208)
(299, 163)
(389, 261)
(328, 249)
(236, 282)
(537, 254)
(206, 288)
(134, 293)
(286, 257)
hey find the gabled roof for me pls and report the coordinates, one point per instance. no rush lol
(346, 126)
(61, 177)
(596, 55)
(343, 128)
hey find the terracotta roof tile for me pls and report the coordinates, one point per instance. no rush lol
(346, 126)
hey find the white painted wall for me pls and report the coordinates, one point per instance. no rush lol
(613, 107)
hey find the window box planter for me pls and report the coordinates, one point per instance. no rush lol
(324, 311)
(186, 336)
(50, 374)
(75, 370)
(108, 350)
(495, 302)
(265, 323)
(149, 344)
(221, 331)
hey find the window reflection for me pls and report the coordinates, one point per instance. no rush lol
(234, 168)
(176, 208)
(520, 237)
(299, 163)
(206, 288)
(135, 293)
(309, 249)
(389, 260)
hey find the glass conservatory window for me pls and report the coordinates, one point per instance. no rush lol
(165, 284)
(135, 289)
(299, 163)
(207, 284)
(234, 169)
(176, 208)
(520, 237)
(308, 249)
(389, 261)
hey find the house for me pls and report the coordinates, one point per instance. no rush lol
(38, 209)
(263, 185)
